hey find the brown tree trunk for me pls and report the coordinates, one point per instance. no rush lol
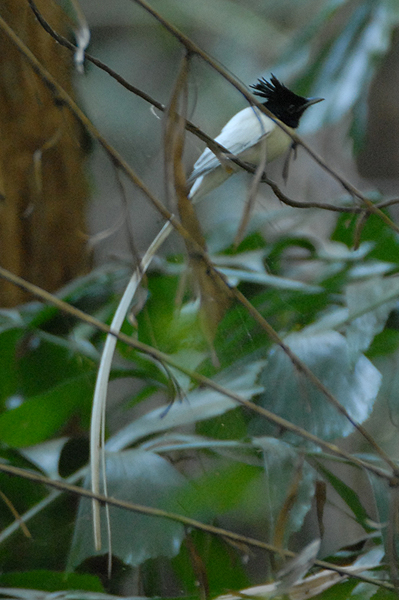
(42, 181)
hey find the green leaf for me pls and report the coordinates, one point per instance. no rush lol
(31, 594)
(383, 495)
(23, 494)
(369, 304)
(223, 566)
(48, 360)
(386, 241)
(9, 378)
(339, 591)
(384, 344)
(218, 492)
(373, 300)
(10, 318)
(349, 496)
(282, 466)
(383, 499)
(289, 393)
(231, 425)
(51, 581)
(39, 418)
(198, 405)
(237, 337)
(388, 406)
(363, 591)
(173, 330)
(142, 478)
(383, 594)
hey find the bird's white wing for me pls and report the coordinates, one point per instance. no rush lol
(243, 131)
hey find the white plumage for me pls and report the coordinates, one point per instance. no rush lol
(243, 136)
(249, 134)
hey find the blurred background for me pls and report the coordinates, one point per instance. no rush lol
(346, 52)
(61, 219)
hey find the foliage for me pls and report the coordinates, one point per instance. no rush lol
(230, 448)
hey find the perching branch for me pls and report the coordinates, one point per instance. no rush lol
(211, 143)
(194, 49)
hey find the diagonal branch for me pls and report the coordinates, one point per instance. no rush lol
(195, 49)
(186, 521)
(64, 98)
(205, 381)
(192, 128)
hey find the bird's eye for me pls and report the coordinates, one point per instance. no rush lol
(291, 108)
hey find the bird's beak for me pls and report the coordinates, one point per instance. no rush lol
(311, 101)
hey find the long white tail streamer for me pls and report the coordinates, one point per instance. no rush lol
(97, 426)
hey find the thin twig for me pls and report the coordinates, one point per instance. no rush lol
(200, 379)
(195, 49)
(64, 98)
(195, 130)
(158, 512)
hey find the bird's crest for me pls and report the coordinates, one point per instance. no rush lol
(272, 89)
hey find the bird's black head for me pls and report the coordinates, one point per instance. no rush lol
(284, 104)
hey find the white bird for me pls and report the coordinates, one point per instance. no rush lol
(245, 134)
